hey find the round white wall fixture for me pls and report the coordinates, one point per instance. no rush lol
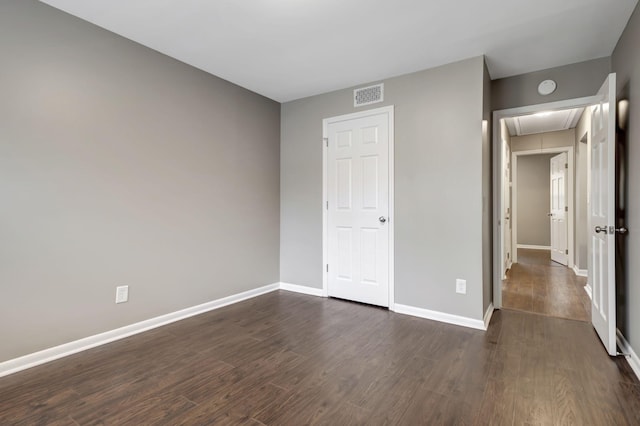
(547, 87)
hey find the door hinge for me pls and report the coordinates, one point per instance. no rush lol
(566, 251)
(326, 142)
(566, 208)
(327, 205)
(327, 267)
(566, 165)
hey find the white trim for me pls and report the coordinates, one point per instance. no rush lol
(303, 289)
(37, 358)
(325, 215)
(580, 272)
(632, 357)
(532, 247)
(553, 150)
(488, 315)
(512, 248)
(587, 289)
(392, 210)
(51, 354)
(389, 110)
(497, 177)
(504, 276)
(440, 316)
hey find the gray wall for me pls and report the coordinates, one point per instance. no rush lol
(119, 165)
(538, 141)
(574, 81)
(533, 200)
(583, 130)
(626, 63)
(438, 186)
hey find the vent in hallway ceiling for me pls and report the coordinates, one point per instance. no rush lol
(368, 95)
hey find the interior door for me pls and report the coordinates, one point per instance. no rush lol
(358, 209)
(559, 208)
(506, 214)
(602, 214)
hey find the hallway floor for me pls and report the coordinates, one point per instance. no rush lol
(536, 284)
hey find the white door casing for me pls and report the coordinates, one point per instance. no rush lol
(602, 215)
(497, 184)
(559, 208)
(506, 207)
(358, 206)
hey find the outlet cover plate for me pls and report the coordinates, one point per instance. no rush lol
(122, 294)
(461, 286)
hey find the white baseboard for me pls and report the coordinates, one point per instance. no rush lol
(488, 315)
(37, 358)
(632, 357)
(302, 289)
(580, 272)
(530, 247)
(587, 288)
(440, 316)
(51, 354)
(407, 310)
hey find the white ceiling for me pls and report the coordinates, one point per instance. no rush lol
(288, 49)
(543, 122)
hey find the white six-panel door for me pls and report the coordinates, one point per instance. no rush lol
(559, 207)
(602, 214)
(357, 190)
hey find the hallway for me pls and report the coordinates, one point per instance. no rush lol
(536, 284)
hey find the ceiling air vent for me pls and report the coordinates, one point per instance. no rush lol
(368, 95)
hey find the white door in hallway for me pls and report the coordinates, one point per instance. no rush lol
(602, 273)
(358, 207)
(559, 207)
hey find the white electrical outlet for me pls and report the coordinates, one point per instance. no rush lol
(122, 294)
(461, 286)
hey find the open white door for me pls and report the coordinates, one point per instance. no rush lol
(559, 208)
(602, 273)
(358, 206)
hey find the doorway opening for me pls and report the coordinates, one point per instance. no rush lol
(544, 178)
(601, 229)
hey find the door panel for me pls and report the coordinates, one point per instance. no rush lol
(358, 208)
(602, 215)
(558, 203)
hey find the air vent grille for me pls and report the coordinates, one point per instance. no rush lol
(368, 95)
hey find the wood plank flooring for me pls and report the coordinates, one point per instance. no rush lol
(290, 359)
(536, 284)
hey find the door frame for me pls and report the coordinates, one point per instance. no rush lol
(498, 115)
(504, 190)
(570, 197)
(389, 110)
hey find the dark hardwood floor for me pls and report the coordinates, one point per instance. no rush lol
(290, 359)
(536, 284)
